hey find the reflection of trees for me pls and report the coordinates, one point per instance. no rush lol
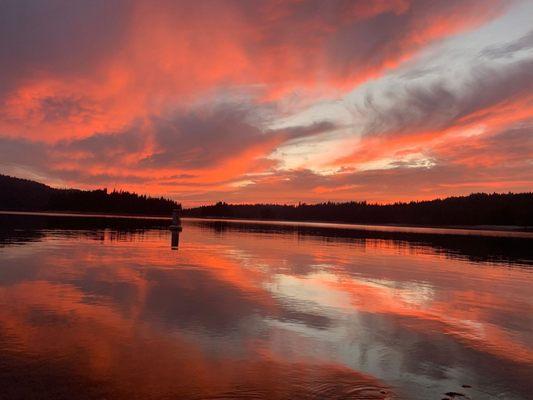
(116, 297)
(19, 229)
(174, 240)
(471, 247)
(10, 237)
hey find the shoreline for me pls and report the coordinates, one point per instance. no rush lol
(476, 230)
(501, 228)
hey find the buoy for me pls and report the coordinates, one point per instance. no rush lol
(176, 221)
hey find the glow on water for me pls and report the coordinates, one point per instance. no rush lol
(103, 310)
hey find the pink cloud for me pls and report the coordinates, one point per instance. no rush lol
(129, 94)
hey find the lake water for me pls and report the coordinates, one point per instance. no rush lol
(119, 309)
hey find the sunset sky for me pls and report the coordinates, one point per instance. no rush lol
(269, 101)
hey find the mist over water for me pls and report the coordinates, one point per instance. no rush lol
(122, 309)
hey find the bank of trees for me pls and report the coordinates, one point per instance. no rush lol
(475, 209)
(26, 195)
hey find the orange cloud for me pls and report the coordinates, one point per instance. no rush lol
(109, 98)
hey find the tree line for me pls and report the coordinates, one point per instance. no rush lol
(475, 209)
(26, 195)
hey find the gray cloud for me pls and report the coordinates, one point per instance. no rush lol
(107, 148)
(15, 151)
(204, 137)
(294, 44)
(61, 37)
(340, 38)
(196, 139)
(41, 158)
(62, 108)
(505, 156)
(509, 49)
(412, 107)
(511, 146)
(337, 38)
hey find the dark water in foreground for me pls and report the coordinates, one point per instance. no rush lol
(105, 309)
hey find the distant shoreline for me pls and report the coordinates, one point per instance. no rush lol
(509, 212)
(478, 230)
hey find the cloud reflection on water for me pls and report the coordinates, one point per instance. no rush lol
(236, 308)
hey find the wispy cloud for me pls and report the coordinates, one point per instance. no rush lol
(187, 100)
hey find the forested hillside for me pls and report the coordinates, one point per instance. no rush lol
(25, 195)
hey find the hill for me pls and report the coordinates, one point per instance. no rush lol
(25, 195)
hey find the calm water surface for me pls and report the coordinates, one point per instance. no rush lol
(118, 309)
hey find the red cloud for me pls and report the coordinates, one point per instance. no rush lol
(110, 76)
